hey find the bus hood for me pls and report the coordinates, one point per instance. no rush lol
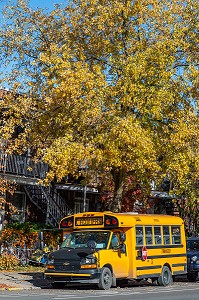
(70, 253)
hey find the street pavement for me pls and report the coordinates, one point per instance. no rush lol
(35, 281)
(22, 280)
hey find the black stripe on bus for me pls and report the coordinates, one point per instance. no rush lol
(163, 256)
(149, 267)
(160, 246)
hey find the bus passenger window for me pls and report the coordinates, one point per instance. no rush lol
(139, 235)
(166, 235)
(157, 235)
(176, 236)
(148, 235)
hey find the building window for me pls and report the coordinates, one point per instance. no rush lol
(80, 206)
(19, 201)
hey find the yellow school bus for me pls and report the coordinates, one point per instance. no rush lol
(108, 248)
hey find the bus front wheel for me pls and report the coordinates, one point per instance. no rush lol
(165, 277)
(106, 278)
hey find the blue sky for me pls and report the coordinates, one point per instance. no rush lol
(38, 3)
(45, 4)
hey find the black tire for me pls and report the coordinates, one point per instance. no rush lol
(192, 276)
(58, 285)
(106, 279)
(165, 277)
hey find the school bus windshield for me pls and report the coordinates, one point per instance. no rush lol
(79, 239)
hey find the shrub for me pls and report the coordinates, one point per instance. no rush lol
(26, 234)
(8, 261)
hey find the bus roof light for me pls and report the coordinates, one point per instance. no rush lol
(107, 222)
(66, 222)
(110, 221)
(114, 222)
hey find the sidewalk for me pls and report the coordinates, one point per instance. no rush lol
(22, 281)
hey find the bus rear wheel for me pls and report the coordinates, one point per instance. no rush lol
(106, 278)
(165, 277)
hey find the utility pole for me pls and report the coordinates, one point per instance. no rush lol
(84, 198)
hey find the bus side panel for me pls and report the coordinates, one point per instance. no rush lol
(157, 258)
(118, 261)
(172, 255)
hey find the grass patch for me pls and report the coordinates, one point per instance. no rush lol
(29, 268)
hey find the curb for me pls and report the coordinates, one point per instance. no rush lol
(11, 289)
(17, 288)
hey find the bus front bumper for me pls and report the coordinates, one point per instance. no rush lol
(88, 276)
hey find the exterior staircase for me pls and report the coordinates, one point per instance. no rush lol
(48, 200)
(24, 171)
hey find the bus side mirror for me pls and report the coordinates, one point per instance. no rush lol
(122, 240)
(122, 237)
(123, 248)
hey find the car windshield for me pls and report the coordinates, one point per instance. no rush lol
(79, 239)
(193, 245)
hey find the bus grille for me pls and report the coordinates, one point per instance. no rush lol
(67, 265)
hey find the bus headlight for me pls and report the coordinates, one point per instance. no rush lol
(88, 263)
(50, 264)
(51, 261)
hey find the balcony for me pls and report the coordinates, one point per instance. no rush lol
(21, 169)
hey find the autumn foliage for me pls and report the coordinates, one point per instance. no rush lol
(9, 188)
(106, 87)
(27, 234)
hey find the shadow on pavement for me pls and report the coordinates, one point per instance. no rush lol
(37, 280)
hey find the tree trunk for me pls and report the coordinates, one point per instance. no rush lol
(119, 180)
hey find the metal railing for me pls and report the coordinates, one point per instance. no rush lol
(49, 201)
(44, 198)
(22, 165)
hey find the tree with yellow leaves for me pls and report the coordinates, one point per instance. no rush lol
(111, 85)
(6, 187)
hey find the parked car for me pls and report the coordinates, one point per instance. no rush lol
(192, 258)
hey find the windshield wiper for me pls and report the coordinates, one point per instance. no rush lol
(64, 247)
